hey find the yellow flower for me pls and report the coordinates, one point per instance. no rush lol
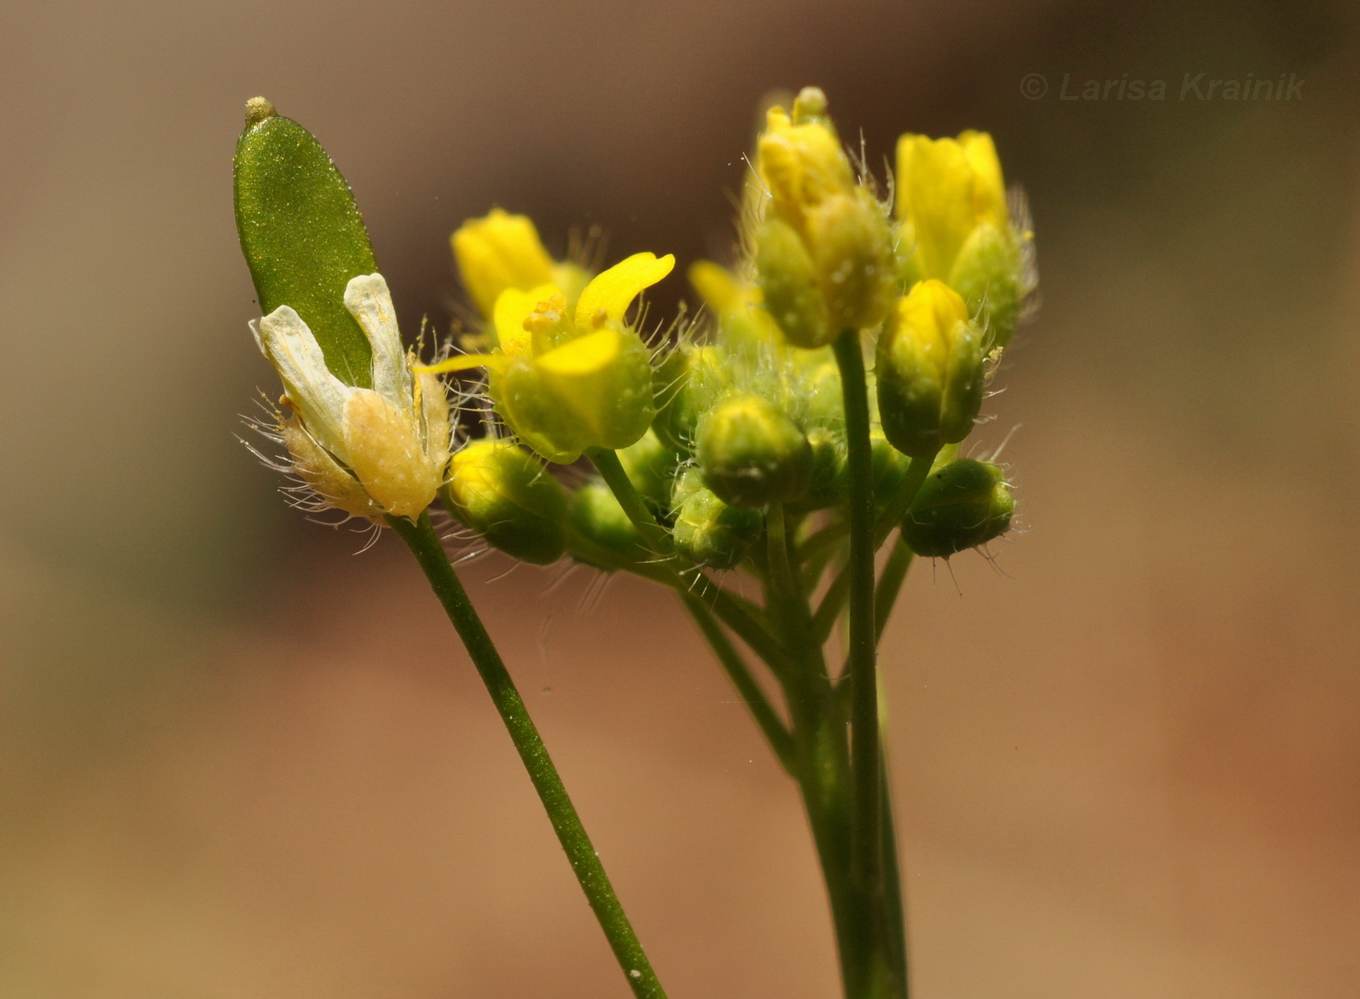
(368, 452)
(500, 251)
(569, 378)
(945, 189)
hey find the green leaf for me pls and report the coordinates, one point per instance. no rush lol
(302, 235)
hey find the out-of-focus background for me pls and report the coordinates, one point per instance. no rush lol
(237, 760)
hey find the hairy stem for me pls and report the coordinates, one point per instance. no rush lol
(420, 537)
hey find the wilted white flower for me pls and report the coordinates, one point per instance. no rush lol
(368, 452)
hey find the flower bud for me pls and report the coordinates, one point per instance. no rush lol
(597, 516)
(963, 504)
(687, 382)
(818, 387)
(650, 466)
(504, 494)
(496, 252)
(889, 467)
(751, 453)
(849, 241)
(711, 532)
(801, 164)
(929, 371)
(824, 256)
(828, 482)
(987, 273)
(789, 285)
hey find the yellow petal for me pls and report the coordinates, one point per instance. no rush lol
(928, 316)
(462, 362)
(608, 296)
(989, 189)
(512, 308)
(935, 192)
(499, 251)
(717, 286)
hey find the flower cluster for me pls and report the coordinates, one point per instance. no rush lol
(739, 412)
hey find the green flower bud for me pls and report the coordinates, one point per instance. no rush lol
(597, 516)
(817, 384)
(929, 372)
(712, 533)
(889, 467)
(651, 468)
(751, 453)
(987, 274)
(789, 286)
(849, 240)
(689, 481)
(688, 381)
(828, 483)
(961, 505)
(508, 497)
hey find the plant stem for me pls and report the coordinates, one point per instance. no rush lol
(898, 506)
(420, 537)
(890, 585)
(607, 463)
(866, 852)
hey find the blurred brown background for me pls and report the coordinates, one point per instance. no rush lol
(237, 761)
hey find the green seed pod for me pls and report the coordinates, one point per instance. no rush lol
(987, 274)
(712, 533)
(651, 468)
(302, 235)
(961, 505)
(751, 453)
(687, 383)
(506, 495)
(788, 282)
(597, 516)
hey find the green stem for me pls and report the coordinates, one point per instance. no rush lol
(892, 882)
(897, 507)
(866, 853)
(775, 732)
(830, 607)
(726, 605)
(420, 537)
(822, 755)
(611, 470)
